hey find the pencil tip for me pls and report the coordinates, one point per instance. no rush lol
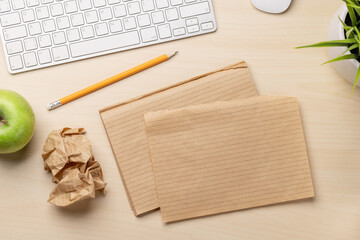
(172, 55)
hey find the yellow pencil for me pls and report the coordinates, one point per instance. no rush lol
(110, 80)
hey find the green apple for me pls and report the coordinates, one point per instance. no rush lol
(17, 121)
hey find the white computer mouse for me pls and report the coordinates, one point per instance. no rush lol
(272, 6)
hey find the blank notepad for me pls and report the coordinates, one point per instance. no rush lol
(124, 124)
(227, 156)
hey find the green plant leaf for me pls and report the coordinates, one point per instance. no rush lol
(352, 14)
(357, 39)
(356, 79)
(354, 5)
(343, 23)
(347, 28)
(349, 32)
(352, 47)
(357, 31)
(355, 2)
(345, 57)
(334, 43)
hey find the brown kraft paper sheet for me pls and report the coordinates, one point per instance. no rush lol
(124, 125)
(226, 156)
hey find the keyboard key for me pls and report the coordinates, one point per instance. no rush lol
(194, 9)
(119, 11)
(104, 44)
(16, 62)
(10, 19)
(190, 1)
(56, 9)
(32, 3)
(171, 14)
(70, 6)
(115, 26)
(162, 3)
(14, 33)
(148, 34)
(164, 31)
(30, 59)
(14, 47)
(158, 17)
(101, 29)
(44, 41)
(147, 5)
(144, 20)
(87, 32)
(179, 31)
(176, 2)
(129, 23)
(193, 28)
(134, 7)
(207, 25)
(63, 22)
(30, 44)
(28, 15)
(110, 2)
(191, 21)
(73, 35)
(4, 6)
(42, 12)
(47, 1)
(49, 25)
(60, 53)
(59, 38)
(77, 19)
(44, 56)
(84, 4)
(99, 3)
(18, 4)
(34, 28)
(91, 16)
(105, 14)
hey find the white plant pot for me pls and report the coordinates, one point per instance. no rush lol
(346, 68)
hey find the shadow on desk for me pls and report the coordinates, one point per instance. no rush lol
(307, 200)
(80, 208)
(14, 160)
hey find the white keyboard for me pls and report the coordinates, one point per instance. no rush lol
(43, 33)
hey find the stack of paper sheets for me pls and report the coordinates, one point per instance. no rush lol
(209, 145)
(124, 124)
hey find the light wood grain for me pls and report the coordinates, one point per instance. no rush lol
(330, 114)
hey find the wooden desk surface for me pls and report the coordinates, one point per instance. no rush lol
(331, 118)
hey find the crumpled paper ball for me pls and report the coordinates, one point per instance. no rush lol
(67, 154)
